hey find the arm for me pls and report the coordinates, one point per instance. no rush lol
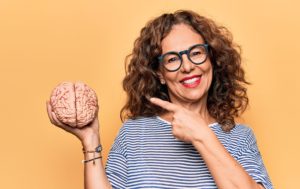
(225, 170)
(190, 127)
(94, 174)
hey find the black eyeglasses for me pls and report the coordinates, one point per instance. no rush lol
(172, 60)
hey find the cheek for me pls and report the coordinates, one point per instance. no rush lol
(208, 72)
(206, 69)
(170, 76)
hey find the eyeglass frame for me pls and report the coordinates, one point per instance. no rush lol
(187, 52)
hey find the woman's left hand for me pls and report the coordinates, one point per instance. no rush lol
(187, 126)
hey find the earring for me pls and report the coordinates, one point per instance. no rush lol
(162, 82)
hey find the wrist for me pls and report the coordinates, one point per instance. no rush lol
(92, 155)
(91, 142)
(204, 137)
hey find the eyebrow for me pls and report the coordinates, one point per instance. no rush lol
(203, 42)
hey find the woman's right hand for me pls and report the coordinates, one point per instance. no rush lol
(94, 174)
(85, 134)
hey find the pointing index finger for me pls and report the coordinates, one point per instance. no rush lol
(164, 104)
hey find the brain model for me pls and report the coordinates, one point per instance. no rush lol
(74, 104)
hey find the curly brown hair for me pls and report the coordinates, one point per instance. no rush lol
(227, 96)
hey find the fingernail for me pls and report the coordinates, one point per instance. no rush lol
(148, 97)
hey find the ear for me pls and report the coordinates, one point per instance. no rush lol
(161, 77)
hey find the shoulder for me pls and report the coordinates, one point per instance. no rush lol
(245, 131)
(239, 130)
(139, 123)
(242, 130)
(237, 137)
(140, 120)
(244, 136)
(131, 130)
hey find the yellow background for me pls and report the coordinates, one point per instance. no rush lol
(45, 42)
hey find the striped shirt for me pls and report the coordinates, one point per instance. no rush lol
(145, 154)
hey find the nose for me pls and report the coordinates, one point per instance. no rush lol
(187, 65)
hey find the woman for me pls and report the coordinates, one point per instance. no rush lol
(185, 86)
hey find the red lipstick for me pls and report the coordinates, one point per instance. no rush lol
(191, 81)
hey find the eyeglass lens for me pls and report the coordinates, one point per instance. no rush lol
(172, 61)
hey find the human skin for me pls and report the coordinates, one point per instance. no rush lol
(181, 38)
(94, 174)
(188, 114)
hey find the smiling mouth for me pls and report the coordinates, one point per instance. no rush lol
(191, 82)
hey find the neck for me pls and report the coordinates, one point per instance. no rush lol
(199, 107)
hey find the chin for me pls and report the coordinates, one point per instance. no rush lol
(191, 98)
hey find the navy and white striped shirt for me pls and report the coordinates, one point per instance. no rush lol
(145, 154)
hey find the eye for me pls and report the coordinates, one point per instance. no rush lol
(173, 59)
(195, 53)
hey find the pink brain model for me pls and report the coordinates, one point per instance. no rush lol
(74, 104)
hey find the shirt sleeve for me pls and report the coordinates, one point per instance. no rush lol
(250, 158)
(116, 165)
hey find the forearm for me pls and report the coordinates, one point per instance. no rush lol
(225, 170)
(94, 174)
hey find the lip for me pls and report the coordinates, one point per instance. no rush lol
(191, 85)
(190, 77)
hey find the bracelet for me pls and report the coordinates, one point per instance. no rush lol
(98, 149)
(93, 159)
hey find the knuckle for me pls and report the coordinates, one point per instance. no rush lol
(174, 132)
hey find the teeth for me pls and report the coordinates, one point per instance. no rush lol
(189, 81)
